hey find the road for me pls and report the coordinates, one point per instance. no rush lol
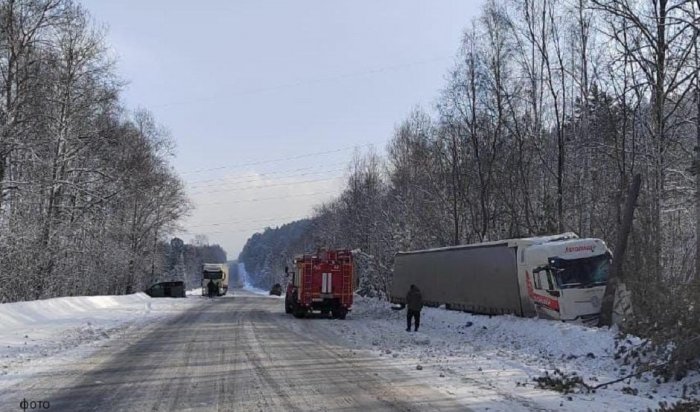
(239, 353)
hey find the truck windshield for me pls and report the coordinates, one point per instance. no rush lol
(581, 273)
(213, 275)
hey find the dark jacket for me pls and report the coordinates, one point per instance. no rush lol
(414, 299)
(211, 287)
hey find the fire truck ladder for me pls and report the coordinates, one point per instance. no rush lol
(306, 291)
(347, 282)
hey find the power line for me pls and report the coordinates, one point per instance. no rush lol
(266, 186)
(247, 221)
(305, 82)
(196, 182)
(270, 198)
(302, 156)
(266, 175)
(254, 229)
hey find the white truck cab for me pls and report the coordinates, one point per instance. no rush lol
(564, 276)
(217, 273)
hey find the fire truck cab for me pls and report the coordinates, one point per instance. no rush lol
(321, 282)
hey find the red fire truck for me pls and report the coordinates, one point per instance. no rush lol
(322, 282)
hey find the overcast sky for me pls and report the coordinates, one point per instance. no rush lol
(266, 100)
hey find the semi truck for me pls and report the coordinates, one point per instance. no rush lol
(558, 277)
(217, 273)
(321, 282)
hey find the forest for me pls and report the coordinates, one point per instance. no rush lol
(87, 192)
(550, 111)
(183, 261)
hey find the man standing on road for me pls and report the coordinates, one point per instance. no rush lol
(414, 302)
(211, 288)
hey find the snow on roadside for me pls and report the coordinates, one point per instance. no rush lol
(256, 291)
(247, 285)
(34, 334)
(194, 292)
(489, 363)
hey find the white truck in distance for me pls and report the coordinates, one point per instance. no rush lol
(556, 277)
(217, 273)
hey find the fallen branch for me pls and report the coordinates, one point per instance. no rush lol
(632, 375)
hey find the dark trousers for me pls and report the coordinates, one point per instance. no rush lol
(415, 314)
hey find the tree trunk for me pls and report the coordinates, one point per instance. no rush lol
(696, 170)
(616, 273)
(2, 179)
(659, 129)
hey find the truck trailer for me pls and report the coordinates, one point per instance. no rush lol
(557, 277)
(322, 282)
(217, 273)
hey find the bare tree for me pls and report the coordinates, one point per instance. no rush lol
(76, 172)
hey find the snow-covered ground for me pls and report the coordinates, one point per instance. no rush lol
(247, 285)
(489, 363)
(257, 291)
(42, 334)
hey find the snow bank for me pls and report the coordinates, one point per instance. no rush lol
(261, 292)
(194, 292)
(37, 334)
(247, 285)
(57, 310)
(490, 362)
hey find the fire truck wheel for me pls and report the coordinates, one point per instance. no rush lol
(299, 312)
(287, 308)
(340, 313)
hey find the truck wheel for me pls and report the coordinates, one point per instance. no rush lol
(340, 313)
(287, 306)
(299, 312)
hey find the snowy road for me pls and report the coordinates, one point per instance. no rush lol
(240, 353)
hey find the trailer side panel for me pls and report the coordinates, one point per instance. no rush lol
(481, 279)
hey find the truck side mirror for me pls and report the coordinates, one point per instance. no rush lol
(286, 270)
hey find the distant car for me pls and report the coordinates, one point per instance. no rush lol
(174, 289)
(276, 289)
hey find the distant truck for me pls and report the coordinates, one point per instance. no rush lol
(557, 277)
(322, 282)
(217, 273)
